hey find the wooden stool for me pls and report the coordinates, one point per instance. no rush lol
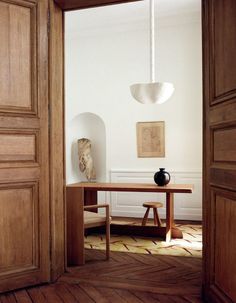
(154, 206)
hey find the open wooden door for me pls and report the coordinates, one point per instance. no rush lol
(24, 154)
(219, 66)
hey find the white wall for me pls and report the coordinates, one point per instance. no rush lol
(186, 206)
(101, 64)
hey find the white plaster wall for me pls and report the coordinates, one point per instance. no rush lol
(100, 65)
(127, 204)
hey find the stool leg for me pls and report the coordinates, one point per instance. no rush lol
(157, 220)
(155, 216)
(145, 217)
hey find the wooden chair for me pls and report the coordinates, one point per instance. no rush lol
(154, 206)
(92, 219)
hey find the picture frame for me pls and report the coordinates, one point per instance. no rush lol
(151, 139)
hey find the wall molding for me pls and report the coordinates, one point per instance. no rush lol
(187, 206)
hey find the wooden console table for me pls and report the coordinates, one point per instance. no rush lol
(80, 194)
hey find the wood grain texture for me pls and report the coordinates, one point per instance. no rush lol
(24, 174)
(154, 206)
(18, 66)
(145, 218)
(75, 225)
(224, 64)
(143, 187)
(80, 4)
(169, 215)
(162, 275)
(6, 122)
(224, 177)
(90, 198)
(92, 219)
(225, 145)
(24, 152)
(81, 194)
(225, 207)
(17, 147)
(124, 278)
(223, 114)
(57, 163)
(219, 173)
(21, 203)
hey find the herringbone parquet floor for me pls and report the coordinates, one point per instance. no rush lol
(126, 277)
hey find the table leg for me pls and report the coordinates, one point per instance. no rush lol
(90, 198)
(75, 225)
(169, 215)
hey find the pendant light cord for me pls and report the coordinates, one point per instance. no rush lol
(152, 40)
(154, 92)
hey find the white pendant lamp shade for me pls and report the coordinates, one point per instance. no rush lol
(148, 93)
(153, 92)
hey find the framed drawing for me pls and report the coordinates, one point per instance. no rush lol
(151, 139)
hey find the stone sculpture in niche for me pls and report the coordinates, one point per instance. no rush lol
(85, 159)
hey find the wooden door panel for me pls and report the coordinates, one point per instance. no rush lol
(225, 178)
(219, 75)
(18, 147)
(19, 122)
(24, 152)
(225, 67)
(15, 175)
(19, 220)
(223, 113)
(18, 69)
(225, 243)
(224, 145)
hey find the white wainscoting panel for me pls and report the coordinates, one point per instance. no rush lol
(186, 206)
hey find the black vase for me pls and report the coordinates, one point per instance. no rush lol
(162, 177)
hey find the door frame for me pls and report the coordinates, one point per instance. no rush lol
(57, 127)
(56, 138)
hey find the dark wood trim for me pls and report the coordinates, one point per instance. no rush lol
(67, 5)
(219, 170)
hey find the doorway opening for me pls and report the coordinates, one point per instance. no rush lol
(106, 50)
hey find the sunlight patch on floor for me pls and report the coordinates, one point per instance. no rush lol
(190, 245)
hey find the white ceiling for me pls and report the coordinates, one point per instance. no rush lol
(128, 12)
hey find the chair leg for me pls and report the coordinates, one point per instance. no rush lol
(108, 240)
(145, 217)
(108, 231)
(157, 220)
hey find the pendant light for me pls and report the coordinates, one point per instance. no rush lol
(154, 92)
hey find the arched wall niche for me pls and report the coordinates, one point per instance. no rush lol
(91, 126)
